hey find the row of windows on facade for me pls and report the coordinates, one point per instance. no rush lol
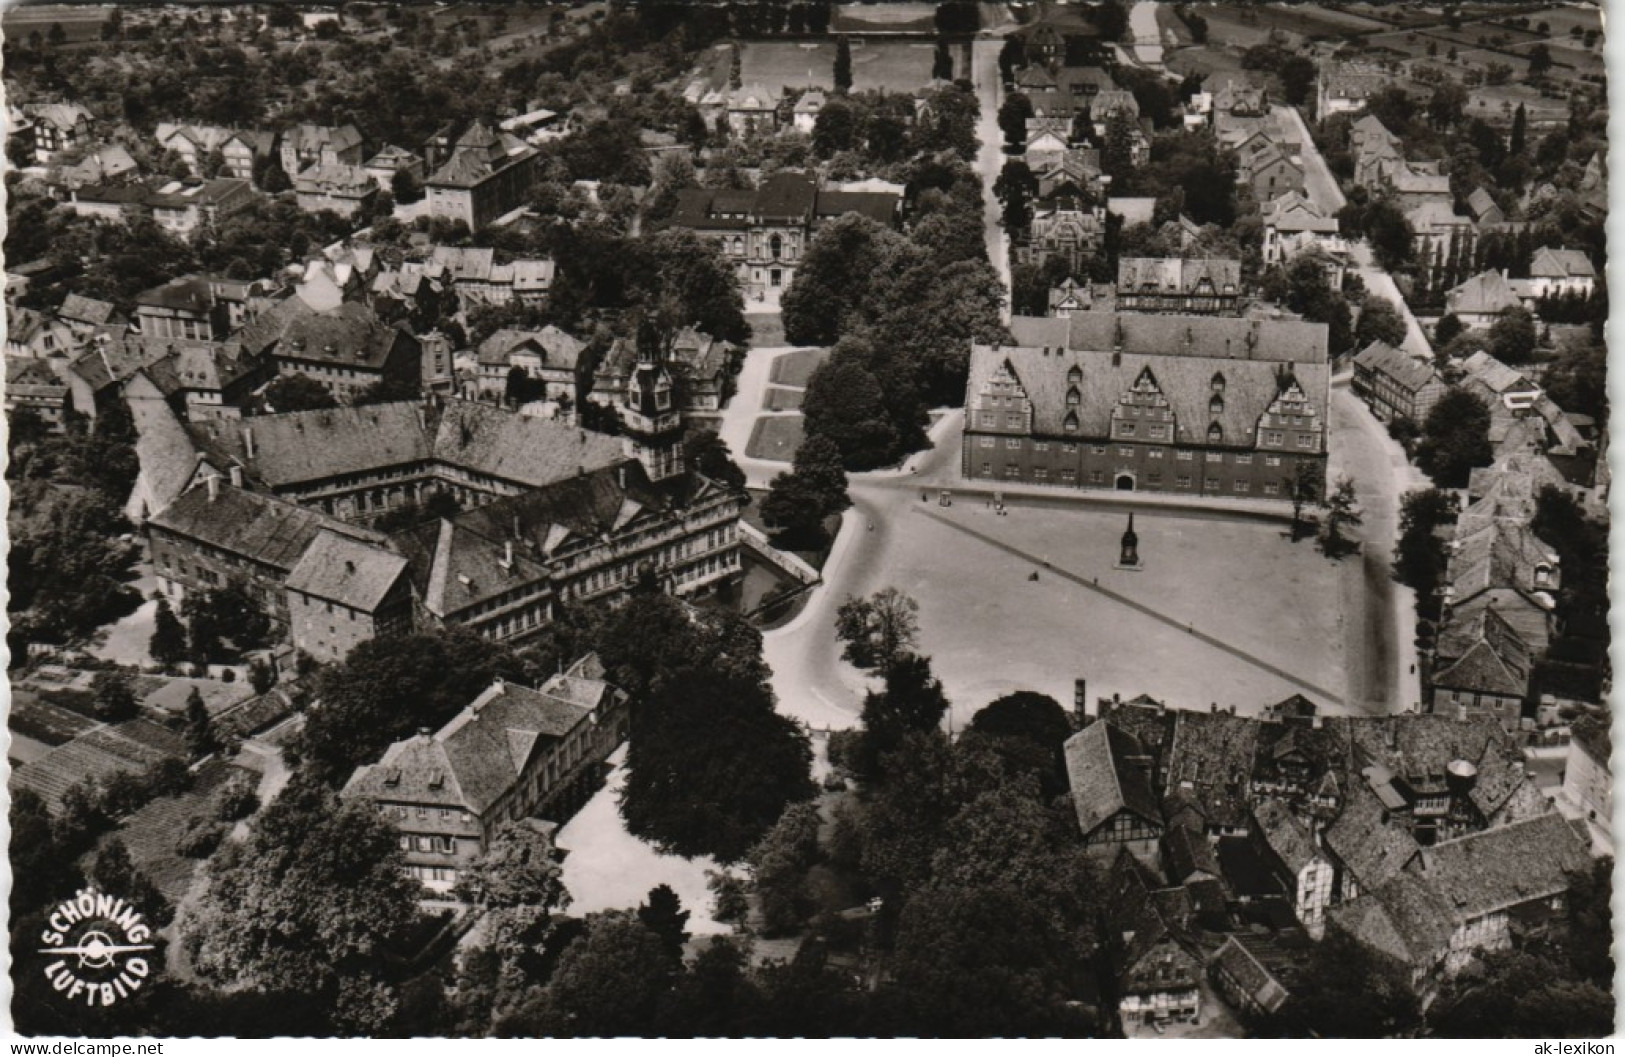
(1154, 431)
(1153, 479)
(776, 249)
(1244, 458)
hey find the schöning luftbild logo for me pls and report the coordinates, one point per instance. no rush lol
(97, 942)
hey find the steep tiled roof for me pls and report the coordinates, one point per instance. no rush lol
(342, 569)
(1102, 780)
(1214, 752)
(314, 445)
(1496, 375)
(1408, 372)
(261, 527)
(1294, 212)
(878, 206)
(1484, 294)
(77, 308)
(786, 196)
(1260, 968)
(1482, 671)
(558, 349)
(1288, 838)
(1177, 275)
(476, 758)
(1528, 619)
(1373, 850)
(454, 568)
(1403, 918)
(1560, 264)
(1503, 867)
(350, 334)
(1188, 854)
(1503, 554)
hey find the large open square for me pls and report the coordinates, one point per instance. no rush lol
(1224, 610)
(892, 66)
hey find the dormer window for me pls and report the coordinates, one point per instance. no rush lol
(1073, 397)
(1215, 434)
(1074, 376)
(1217, 382)
(1215, 406)
(1070, 424)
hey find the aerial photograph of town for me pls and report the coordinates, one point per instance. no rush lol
(777, 519)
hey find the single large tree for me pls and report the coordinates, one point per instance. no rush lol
(1455, 438)
(168, 644)
(1014, 113)
(879, 629)
(310, 901)
(1342, 512)
(201, 739)
(711, 765)
(1381, 321)
(608, 983)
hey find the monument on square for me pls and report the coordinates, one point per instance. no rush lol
(1129, 557)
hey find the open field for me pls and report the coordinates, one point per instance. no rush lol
(37, 718)
(896, 66)
(795, 368)
(990, 629)
(151, 832)
(775, 438)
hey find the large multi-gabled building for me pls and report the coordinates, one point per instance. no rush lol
(764, 232)
(1191, 405)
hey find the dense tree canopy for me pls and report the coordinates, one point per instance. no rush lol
(1455, 438)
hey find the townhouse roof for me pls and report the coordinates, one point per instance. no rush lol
(1404, 918)
(1211, 754)
(1178, 274)
(351, 334)
(1527, 619)
(64, 116)
(1406, 371)
(1419, 745)
(76, 308)
(1104, 779)
(879, 206)
(188, 293)
(1560, 264)
(1486, 293)
(478, 757)
(259, 527)
(1500, 378)
(558, 349)
(335, 178)
(340, 568)
(1502, 867)
(216, 192)
(1372, 849)
(1485, 209)
(310, 138)
(1293, 212)
(1263, 967)
(1502, 554)
(1481, 670)
(391, 157)
(1287, 837)
(1188, 853)
(454, 567)
(301, 446)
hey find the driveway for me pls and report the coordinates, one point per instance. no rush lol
(739, 417)
(1379, 282)
(990, 157)
(1142, 19)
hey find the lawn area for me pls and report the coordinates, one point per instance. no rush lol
(779, 399)
(794, 368)
(990, 630)
(607, 868)
(766, 329)
(895, 66)
(775, 438)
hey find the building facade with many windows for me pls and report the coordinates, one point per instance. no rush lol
(1184, 404)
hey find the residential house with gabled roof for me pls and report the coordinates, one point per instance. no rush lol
(1258, 973)
(1344, 87)
(702, 368)
(752, 109)
(1560, 273)
(513, 755)
(58, 127)
(1496, 383)
(107, 165)
(1306, 873)
(347, 348)
(1108, 771)
(488, 175)
(804, 116)
(1484, 208)
(1063, 226)
(1293, 225)
(84, 315)
(336, 187)
(1479, 301)
(186, 207)
(1270, 168)
(306, 145)
(33, 385)
(1152, 952)
(1396, 385)
(549, 356)
(388, 162)
(194, 143)
(1072, 297)
(200, 379)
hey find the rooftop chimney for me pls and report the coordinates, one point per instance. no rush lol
(236, 476)
(248, 441)
(213, 481)
(507, 555)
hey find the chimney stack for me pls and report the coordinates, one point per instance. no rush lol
(248, 441)
(213, 481)
(236, 476)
